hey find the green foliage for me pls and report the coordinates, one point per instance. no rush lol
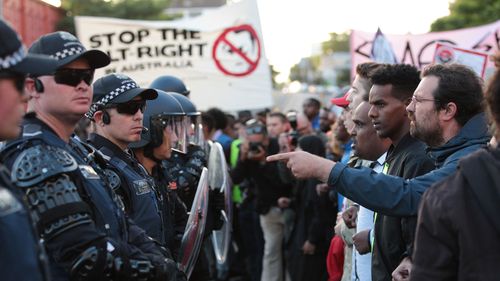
(344, 78)
(124, 9)
(468, 13)
(338, 42)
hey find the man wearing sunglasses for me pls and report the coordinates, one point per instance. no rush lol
(86, 233)
(21, 257)
(118, 121)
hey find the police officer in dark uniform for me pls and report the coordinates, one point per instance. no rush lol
(166, 131)
(21, 256)
(77, 215)
(185, 168)
(118, 120)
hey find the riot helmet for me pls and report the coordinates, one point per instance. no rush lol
(163, 113)
(193, 120)
(169, 83)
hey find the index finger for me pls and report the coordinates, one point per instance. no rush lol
(280, 156)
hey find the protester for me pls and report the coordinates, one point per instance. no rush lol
(369, 146)
(221, 124)
(446, 113)
(85, 230)
(276, 124)
(310, 108)
(326, 120)
(21, 256)
(269, 188)
(458, 225)
(393, 86)
(313, 224)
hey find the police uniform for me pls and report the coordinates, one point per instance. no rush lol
(87, 235)
(137, 188)
(185, 170)
(22, 256)
(77, 215)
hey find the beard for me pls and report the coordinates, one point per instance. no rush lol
(429, 132)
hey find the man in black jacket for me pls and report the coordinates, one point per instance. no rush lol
(393, 87)
(458, 225)
(252, 164)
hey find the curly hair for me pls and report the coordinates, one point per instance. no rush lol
(404, 79)
(460, 85)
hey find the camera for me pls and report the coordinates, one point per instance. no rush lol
(293, 134)
(255, 147)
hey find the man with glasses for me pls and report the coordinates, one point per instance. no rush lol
(21, 257)
(446, 113)
(87, 235)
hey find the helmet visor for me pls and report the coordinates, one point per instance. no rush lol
(195, 131)
(175, 126)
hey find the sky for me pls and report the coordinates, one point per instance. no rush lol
(292, 27)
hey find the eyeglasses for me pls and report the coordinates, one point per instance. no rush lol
(18, 79)
(418, 99)
(73, 77)
(129, 108)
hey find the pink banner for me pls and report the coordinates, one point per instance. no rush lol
(419, 49)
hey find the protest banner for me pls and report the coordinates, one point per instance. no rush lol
(219, 54)
(418, 50)
(446, 54)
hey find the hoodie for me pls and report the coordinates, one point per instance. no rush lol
(459, 226)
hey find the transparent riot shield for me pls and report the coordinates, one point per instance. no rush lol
(219, 179)
(192, 239)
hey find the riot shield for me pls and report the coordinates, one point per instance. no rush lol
(219, 179)
(192, 239)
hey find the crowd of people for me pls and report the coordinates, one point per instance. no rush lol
(395, 180)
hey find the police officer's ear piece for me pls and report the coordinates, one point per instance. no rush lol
(38, 85)
(105, 117)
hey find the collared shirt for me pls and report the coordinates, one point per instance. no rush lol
(362, 263)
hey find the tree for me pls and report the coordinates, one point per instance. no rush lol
(338, 42)
(468, 13)
(124, 9)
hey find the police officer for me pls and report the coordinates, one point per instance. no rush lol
(166, 131)
(21, 257)
(185, 168)
(87, 235)
(118, 119)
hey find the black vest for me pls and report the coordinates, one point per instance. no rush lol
(21, 257)
(143, 205)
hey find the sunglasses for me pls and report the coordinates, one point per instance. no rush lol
(129, 108)
(73, 77)
(18, 79)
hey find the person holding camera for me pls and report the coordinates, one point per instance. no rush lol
(252, 165)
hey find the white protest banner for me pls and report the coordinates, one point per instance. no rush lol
(446, 54)
(219, 54)
(419, 49)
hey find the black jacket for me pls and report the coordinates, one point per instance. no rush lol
(269, 186)
(393, 235)
(458, 231)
